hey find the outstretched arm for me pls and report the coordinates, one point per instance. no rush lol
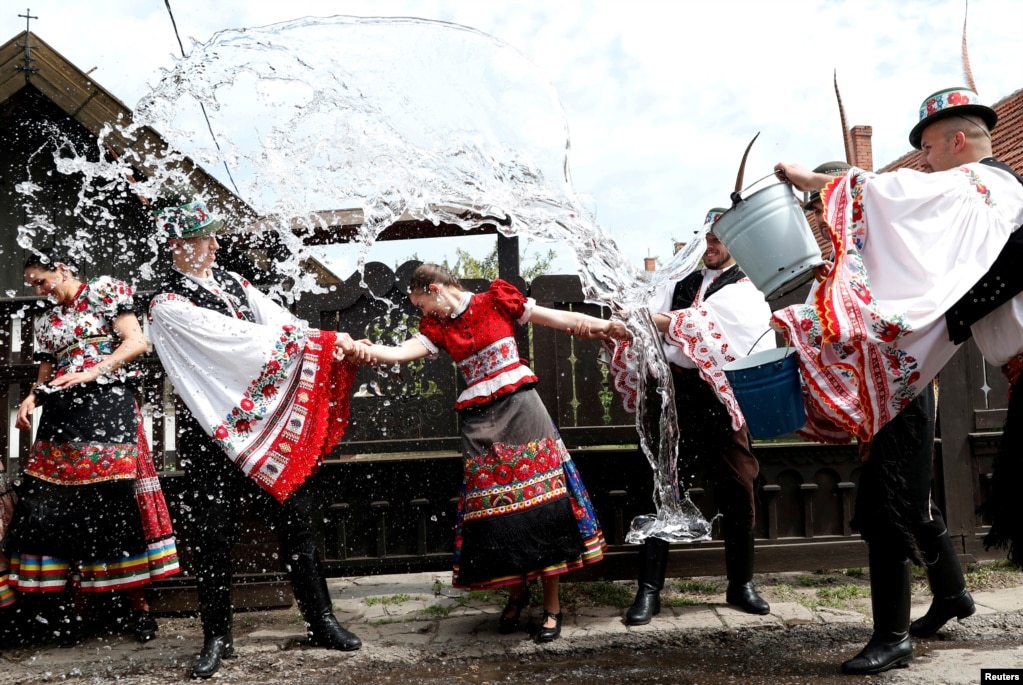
(572, 322)
(408, 351)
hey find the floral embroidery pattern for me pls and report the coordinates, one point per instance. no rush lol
(944, 100)
(252, 408)
(513, 478)
(81, 464)
(80, 335)
(859, 376)
(489, 360)
(977, 185)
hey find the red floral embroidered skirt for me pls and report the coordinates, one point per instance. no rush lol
(523, 511)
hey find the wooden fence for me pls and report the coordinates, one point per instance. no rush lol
(389, 490)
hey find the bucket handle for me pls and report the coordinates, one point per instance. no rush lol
(736, 197)
(769, 330)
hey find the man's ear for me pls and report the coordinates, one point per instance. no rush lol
(960, 141)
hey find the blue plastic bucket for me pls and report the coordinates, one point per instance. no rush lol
(766, 385)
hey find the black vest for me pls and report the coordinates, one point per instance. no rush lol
(1002, 282)
(181, 285)
(688, 288)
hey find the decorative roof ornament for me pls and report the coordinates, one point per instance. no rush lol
(27, 59)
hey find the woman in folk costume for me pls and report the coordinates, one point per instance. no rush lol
(91, 515)
(7, 501)
(524, 512)
(266, 400)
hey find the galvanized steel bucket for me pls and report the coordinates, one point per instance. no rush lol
(769, 237)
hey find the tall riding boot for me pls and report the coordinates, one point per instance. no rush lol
(653, 563)
(213, 581)
(889, 646)
(951, 598)
(313, 599)
(739, 569)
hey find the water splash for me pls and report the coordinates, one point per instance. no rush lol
(398, 118)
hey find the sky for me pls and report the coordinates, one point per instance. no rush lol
(661, 97)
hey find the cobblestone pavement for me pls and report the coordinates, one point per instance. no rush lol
(416, 629)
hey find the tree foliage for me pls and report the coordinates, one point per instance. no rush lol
(468, 266)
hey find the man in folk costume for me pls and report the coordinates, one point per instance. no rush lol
(709, 318)
(909, 245)
(909, 439)
(266, 399)
(991, 312)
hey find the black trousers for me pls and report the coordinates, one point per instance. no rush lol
(894, 512)
(216, 493)
(709, 447)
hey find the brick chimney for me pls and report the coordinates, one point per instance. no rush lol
(650, 263)
(863, 154)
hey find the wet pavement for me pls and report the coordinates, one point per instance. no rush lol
(417, 630)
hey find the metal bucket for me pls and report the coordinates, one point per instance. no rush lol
(769, 237)
(767, 388)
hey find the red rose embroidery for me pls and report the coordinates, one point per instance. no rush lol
(242, 426)
(247, 404)
(889, 332)
(484, 479)
(221, 433)
(503, 474)
(523, 469)
(269, 391)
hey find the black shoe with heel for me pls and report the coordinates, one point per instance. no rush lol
(143, 625)
(506, 625)
(549, 634)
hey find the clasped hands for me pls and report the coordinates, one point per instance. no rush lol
(613, 329)
(354, 351)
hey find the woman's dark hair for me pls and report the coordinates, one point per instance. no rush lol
(48, 260)
(425, 274)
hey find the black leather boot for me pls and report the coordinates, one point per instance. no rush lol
(945, 576)
(313, 598)
(739, 569)
(889, 646)
(213, 582)
(653, 562)
(214, 648)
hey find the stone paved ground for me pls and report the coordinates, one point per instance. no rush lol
(416, 629)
